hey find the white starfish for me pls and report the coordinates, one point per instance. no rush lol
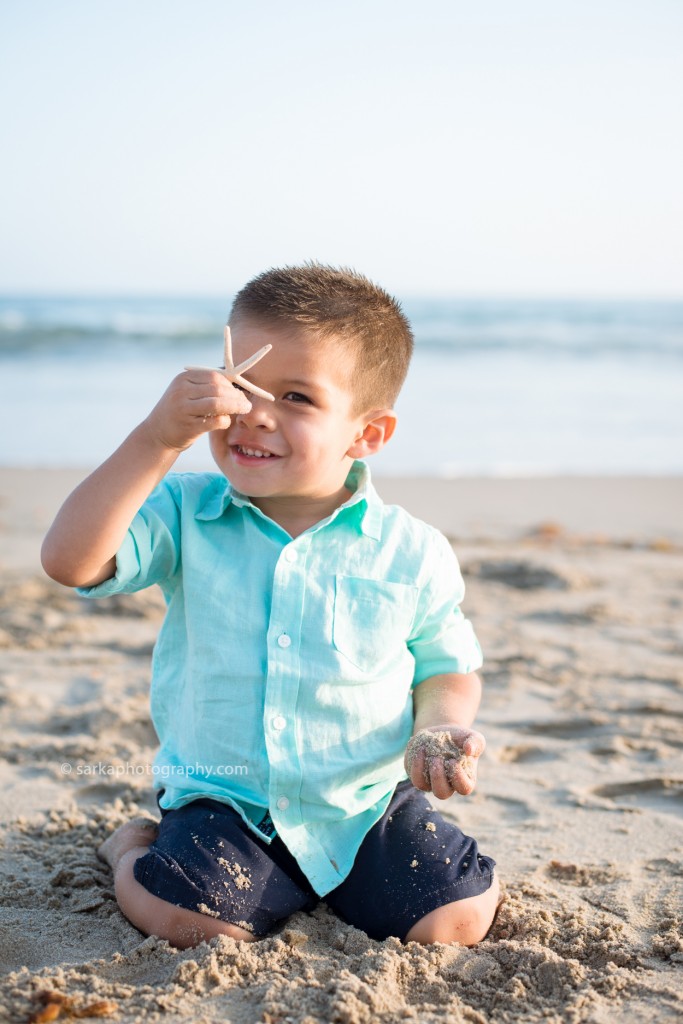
(233, 373)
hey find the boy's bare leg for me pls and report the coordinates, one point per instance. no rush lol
(150, 914)
(464, 921)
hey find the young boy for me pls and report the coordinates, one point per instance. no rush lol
(311, 631)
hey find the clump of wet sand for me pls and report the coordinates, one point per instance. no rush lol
(438, 744)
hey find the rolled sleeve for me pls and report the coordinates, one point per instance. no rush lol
(150, 551)
(442, 639)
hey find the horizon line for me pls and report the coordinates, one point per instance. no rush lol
(458, 296)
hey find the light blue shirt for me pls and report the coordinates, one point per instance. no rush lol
(283, 673)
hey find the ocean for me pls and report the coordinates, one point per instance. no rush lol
(496, 387)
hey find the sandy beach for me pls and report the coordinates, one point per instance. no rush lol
(575, 588)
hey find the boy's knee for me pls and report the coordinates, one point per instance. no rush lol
(187, 928)
(152, 915)
(463, 921)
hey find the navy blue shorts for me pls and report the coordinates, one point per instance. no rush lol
(412, 861)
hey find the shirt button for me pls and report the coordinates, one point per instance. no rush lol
(284, 640)
(282, 803)
(291, 555)
(279, 722)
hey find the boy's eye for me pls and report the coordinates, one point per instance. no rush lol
(291, 396)
(296, 396)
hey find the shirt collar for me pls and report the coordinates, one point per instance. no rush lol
(365, 495)
(220, 493)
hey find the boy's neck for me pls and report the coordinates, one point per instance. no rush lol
(298, 514)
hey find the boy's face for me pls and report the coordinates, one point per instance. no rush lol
(305, 435)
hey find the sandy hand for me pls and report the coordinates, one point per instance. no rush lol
(443, 759)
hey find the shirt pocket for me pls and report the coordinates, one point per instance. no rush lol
(372, 620)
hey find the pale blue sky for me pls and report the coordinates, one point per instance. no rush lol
(506, 147)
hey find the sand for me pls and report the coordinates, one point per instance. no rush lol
(576, 591)
(441, 745)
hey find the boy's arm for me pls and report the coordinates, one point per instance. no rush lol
(443, 752)
(80, 547)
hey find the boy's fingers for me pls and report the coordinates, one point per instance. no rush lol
(216, 422)
(202, 375)
(225, 405)
(235, 401)
(461, 774)
(419, 773)
(441, 786)
(471, 743)
(211, 384)
(445, 774)
(476, 745)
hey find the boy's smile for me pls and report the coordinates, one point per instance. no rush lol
(292, 456)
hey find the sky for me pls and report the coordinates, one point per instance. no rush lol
(526, 148)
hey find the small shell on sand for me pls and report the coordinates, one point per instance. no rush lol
(101, 1008)
(55, 1003)
(49, 1012)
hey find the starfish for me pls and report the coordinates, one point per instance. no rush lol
(233, 373)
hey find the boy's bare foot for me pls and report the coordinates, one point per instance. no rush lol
(137, 832)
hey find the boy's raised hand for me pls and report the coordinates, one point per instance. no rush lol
(81, 545)
(196, 402)
(443, 759)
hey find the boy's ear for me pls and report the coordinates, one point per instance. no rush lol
(379, 427)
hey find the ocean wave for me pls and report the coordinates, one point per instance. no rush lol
(443, 327)
(73, 339)
(33, 336)
(54, 323)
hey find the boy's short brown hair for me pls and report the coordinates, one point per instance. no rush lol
(337, 304)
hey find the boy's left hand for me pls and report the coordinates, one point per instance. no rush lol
(443, 759)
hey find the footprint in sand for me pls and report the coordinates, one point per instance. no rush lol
(656, 794)
(524, 575)
(566, 728)
(583, 875)
(85, 795)
(494, 810)
(525, 753)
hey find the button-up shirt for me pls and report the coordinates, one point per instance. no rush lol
(283, 673)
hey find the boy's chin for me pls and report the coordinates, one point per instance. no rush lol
(241, 482)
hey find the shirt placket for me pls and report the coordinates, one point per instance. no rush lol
(283, 680)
